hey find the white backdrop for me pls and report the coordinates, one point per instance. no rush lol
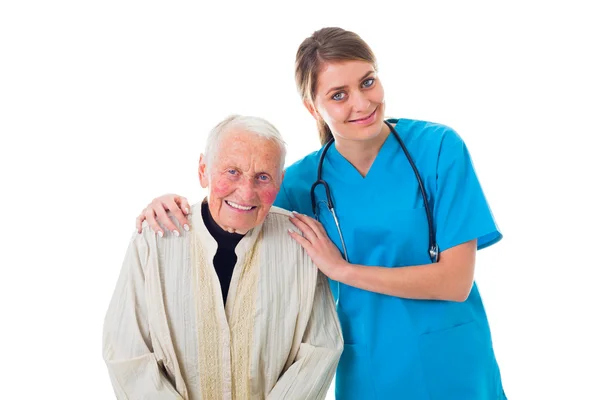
(105, 105)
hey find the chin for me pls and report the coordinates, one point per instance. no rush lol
(240, 227)
(370, 133)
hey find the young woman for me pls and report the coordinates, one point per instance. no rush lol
(400, 214)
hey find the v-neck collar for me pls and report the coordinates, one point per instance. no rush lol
(347, 172)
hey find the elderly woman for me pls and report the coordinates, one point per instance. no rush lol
(233, 307)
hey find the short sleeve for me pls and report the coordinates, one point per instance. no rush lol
(461, 211)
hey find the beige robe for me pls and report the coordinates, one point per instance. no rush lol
(167, 334)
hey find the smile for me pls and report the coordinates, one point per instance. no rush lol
(239, 206)
(366, 120)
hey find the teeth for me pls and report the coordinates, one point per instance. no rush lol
(238, 206)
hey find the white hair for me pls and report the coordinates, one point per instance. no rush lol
(259, 126)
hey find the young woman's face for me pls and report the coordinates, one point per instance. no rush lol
(350, 99)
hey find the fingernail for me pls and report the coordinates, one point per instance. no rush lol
(293, 215)
(176, 232)
(294, 212)
(186, 227)
(187, 210)
(290, 231)
(160, 234)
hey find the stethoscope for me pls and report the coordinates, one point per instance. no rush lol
(433, 247)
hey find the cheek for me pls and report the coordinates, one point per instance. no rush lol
(332, 116)
(221, 187)
(267, 196)
(331, 112)
(340, 113)
(379, 94)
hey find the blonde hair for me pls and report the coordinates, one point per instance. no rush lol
(323, 46)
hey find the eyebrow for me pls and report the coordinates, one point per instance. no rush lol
(345, 86)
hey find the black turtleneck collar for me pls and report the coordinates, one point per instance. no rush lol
(224, 239)
(225, 258)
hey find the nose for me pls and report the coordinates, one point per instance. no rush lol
(247, 189)
(360, 101)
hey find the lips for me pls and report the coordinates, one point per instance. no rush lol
(365, 118)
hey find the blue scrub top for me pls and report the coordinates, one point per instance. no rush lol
(397, 348)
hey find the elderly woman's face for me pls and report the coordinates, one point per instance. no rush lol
(243, 180)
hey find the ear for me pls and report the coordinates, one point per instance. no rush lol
(203, 172)
(312, 110)
(282, 175)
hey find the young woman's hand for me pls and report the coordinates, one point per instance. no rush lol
(317, 244)
(156, 214)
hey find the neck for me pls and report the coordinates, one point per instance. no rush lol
(362, 153)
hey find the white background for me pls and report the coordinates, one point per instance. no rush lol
(105, 105)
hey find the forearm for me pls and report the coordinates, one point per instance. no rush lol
(140, 378)
(310, 376)
(449, 279)
(134, 370)
(423, 282)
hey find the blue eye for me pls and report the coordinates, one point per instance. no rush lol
(338, 96)
(368, 82)
(263, 177)
(231, 171)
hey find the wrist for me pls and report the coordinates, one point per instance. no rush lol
(344, 272)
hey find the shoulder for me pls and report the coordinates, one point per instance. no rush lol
(277, 220)
(303, 168)
(430, 142)
(150, 236)
(280, 244)
(279, 213)
(297, 181)
(427, 132)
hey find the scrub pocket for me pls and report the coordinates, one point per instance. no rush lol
(353, 376)
(459, 364)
